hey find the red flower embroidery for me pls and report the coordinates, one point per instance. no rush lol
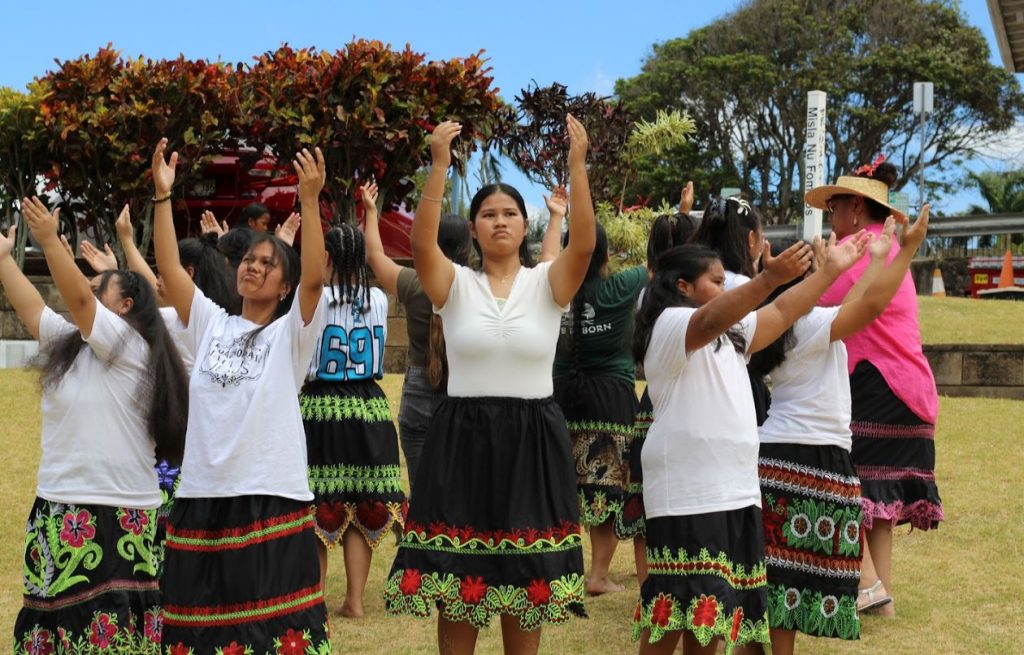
(539, 592)
(737, 620)
(636, 612)
(101, 630)
(134, 521)
(76, 529)
(330, 516)
(411, 582)
(706, 611)
(662, 610)
(38, 642)
(234, 648)
(633, 510)
(154, 625)
(473, 589)
(773, 518)
(293, 643)
(180, 649)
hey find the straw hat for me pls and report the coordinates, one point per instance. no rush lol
(849, 185)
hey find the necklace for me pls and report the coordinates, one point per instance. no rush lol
(504, 278)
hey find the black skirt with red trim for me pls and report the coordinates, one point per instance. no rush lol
(242, 576)
(630, 523)
(893, 453)
(354, 471)
(494, 527)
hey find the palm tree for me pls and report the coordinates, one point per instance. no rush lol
(1003, 192)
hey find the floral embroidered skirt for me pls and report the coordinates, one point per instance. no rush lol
(706, 575)
(630, 523)
(354, 471)
(242, 577)
(893, 453)
(168, 476)
(494, 526)
(811, 512)
(600, 413)
(90, 581)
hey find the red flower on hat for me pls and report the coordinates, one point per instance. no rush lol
(872, 167)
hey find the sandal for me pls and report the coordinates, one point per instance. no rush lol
(872, 598)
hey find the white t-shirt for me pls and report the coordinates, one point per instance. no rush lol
(96, 444)
(700, 455)
(498, 350)
(811, 389)
(351, 346)
(177, 332)
(733, 280)
(245, 434)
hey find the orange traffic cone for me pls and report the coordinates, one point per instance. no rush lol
(938, 288)
(1006, 275)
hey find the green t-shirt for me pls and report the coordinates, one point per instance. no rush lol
(418, 311)
(604, 345)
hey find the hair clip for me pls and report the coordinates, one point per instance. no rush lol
(870, 168)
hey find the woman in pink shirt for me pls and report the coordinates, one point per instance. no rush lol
(894, 400)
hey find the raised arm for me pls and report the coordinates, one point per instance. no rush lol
(570, 266)
(286, 231)
(879, 251)
(384, 268)
(436, 272)
(21, 293)
(715, 317)
(312, 172)
(558, 204)
(136, 262)
(775, 318)
(178, 285)
(854, 315)
(73, 285)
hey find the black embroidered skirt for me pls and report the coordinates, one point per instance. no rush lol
(242, 576)
(707, 576)
(90, 581)
(893, 453)
(354, 470)
(630, 523)
(494, 526)
(600, 413)
(811, 512)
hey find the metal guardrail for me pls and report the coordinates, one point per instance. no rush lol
(949, 226)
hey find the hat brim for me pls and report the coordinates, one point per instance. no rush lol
(818, 197)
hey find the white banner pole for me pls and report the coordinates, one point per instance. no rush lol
(814, 159)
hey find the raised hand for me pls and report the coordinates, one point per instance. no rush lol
(820, 252)
(793, 262)
(441, 143)
(312, 172)
(842, 257)
(368, 194)
(163, 171)
(558, 202)
(577, 141)
(123, 227)
(879, 248)
(99, 261)
(67, 246)
(914, 234)
(686, 198)
(286, 231)
(208, 223)
(7, 242)
(41, 222)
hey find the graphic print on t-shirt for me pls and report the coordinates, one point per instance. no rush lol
(587, 323)
(230, 363)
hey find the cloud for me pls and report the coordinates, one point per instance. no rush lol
(599, 81)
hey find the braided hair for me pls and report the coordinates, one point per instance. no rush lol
(164, 395)
(349, 273)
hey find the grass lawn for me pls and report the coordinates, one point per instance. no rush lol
(968, 320)
(957, 589)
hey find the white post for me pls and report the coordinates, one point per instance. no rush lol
(924, 105)
(814, 159)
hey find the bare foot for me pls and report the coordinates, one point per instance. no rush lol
(598, 586)
(350, 611)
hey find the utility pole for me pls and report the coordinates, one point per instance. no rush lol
(923, 107)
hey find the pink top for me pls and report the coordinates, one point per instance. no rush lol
(892, 342)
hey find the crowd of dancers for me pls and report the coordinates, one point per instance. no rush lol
(786, 426)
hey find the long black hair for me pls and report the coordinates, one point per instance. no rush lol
(164, 391)
(725, 228)
(211, 271)
(236, 243)
(454, 240)
(771, 356)
(668, 231)
(347, 250)
(688, 262)
(525, 258)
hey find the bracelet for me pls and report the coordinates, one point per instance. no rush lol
(424, 196)
(157, 201)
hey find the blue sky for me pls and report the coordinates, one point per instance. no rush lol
(586, 46)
